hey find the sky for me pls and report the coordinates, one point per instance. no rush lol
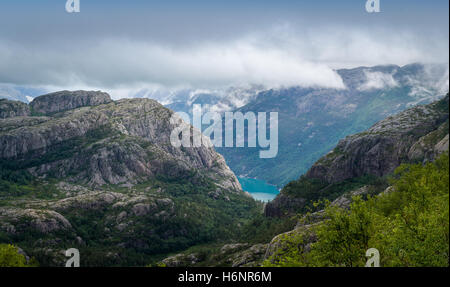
(130, 44)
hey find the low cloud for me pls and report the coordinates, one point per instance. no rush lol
(377, 80)
(280, 57)
(113, 63)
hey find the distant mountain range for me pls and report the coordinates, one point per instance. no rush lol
(311, 120)
(358, 166)
(419, 134)
(19, 93)
(79, 169)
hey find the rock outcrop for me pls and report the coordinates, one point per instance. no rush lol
(306, 225)
(10, 109)
(98, 142)
(229, 255)
(418, 134)
(386, 145)
(81, 170)
(66, 100)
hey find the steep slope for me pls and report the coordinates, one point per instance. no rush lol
(313, 120)
(357, 168)
(113, 143)
(9, 109)
(66, 100)
(415, 135)
(102, 176)
(408, 224)
(382, 148)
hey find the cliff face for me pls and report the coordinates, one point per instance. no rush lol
(9, 109)
(383, 147)
(82, 170)
(104, 142)
(313, 120)
(66, 100)
(416, 135)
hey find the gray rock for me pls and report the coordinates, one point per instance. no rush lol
(383, 147)
(142, 209)
(67, 100)
(9, 109)
(126, 143)
(416, 135)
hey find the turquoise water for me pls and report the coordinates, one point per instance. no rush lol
(259, 189)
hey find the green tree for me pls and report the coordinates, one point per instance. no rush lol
(408, 225)
(10, 257)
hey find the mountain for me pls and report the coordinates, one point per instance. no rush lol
(418, 134)
(219, 100)
(388, 191)
(9, 109)
(313, 120)
(356, 167)
(79, 170)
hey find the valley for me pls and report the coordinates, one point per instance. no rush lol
(259, 189)
(79, 170)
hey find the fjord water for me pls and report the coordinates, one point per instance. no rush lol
(259, 189)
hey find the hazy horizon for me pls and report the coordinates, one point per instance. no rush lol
(127, 46)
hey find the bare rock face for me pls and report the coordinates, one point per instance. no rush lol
(230, 255)
(66, 100)
(105, 171)
(10, 109)
(305, 232)
(387, 144)
(251, 257)
(431, 145)
(418, 134)
(43, 221)
(181, 260)
(96, 141)
(41, 137)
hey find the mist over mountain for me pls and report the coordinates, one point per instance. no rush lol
(312, 120)
(359, 169)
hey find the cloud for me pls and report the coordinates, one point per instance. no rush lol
(377, 80)
(283, 56)
(115, 62)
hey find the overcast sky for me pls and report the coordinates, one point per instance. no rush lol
(207, 43)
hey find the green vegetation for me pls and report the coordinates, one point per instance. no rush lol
(409, 225)
(262, 229)
(10, 257)
(314, 190)
(197, 218)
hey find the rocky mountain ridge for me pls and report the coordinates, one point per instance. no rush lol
(380, 149)
(313, 120)
(418, 134)
(125, 141)
(81, 170)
